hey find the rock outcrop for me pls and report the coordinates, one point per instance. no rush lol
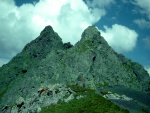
(91, 63)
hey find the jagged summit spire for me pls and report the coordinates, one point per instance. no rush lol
(93, 34)
(47, 29)
(89, 33)
(47, 41)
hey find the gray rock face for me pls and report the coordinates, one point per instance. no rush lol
(45, 95)
(46, 60)
(47, 41)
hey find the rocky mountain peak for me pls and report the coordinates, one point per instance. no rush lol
(46, 66)
(91, 33)
(47, 41)
(48, 29)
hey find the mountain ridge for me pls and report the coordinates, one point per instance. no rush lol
(90, 63)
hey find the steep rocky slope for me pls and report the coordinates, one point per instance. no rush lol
(48, 65)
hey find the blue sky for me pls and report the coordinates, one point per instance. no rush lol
(126, 16)
(21, 2)
(125, 24)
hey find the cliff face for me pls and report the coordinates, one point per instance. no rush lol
(91, 63)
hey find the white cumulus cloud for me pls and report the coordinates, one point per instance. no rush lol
(120, 38)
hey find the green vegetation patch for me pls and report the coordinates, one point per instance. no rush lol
(103, 83)
(86, 45)
(104, 92)
(2, 92)
(90, 103)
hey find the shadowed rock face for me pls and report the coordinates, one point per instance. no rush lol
(46, 60)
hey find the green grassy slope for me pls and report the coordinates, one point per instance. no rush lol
(90, 103)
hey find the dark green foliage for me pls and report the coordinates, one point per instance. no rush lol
(1, 94)
(143, 111)
(104, 92)
(90, 103)
(86, 45)
(3, 91)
